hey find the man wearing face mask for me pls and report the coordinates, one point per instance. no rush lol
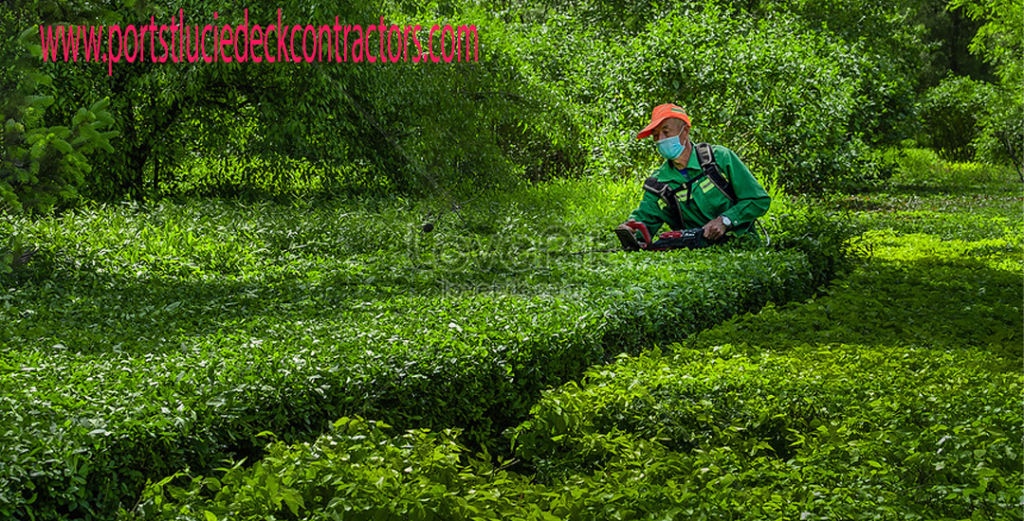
(682, 195)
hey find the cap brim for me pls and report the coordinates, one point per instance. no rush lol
(649, 128)
(654, 123)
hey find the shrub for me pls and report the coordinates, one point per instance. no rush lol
(950, 113)
(896, 394)
(1001, 138)
(795, 102)
(162, 335)
(818, 432)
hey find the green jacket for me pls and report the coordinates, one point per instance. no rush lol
(703, 201)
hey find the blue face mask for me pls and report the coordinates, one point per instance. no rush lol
(670, 147)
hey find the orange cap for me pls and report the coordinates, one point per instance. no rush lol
(661, 113)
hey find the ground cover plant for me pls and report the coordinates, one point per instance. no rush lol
(896, 394)
(149, 337)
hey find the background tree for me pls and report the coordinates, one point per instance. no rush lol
(45, 154)
(559, 91)
(403, 126)
(1000, 41)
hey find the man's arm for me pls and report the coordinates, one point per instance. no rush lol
(752, 201)
(650, 213)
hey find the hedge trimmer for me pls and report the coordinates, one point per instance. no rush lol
(690, 239)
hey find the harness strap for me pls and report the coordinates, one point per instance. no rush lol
(706, 157)
(665, 192)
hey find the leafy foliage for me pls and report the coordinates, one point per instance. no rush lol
(880, 398)
(358, 471)
(152, 337)
(951, 113)
(43, 159)
(220, 128)
(42, 163)
(799, 88)
(794, 103)
(924, 171)
(841, 406)
(999, 41)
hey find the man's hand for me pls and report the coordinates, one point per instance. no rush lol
(715, 229)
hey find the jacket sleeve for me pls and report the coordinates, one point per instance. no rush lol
(650, 213)
(752, 201)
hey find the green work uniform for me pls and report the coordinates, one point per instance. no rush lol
(702, 201)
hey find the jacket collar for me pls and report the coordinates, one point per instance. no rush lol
(667, 171)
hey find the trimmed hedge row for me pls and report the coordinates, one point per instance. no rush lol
(843, 431)
(896, 395)
(818, 432)
(90, 427)
(128, 361)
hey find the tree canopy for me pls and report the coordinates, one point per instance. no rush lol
(805, 90)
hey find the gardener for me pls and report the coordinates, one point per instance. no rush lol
(686, 192)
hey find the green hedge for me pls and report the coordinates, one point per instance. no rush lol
(816, 433)
(158, 337)
(894, 395)
(838, 431)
